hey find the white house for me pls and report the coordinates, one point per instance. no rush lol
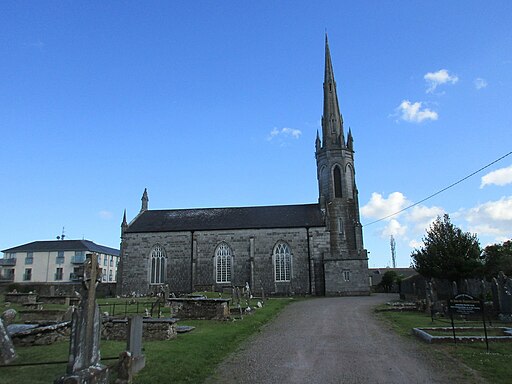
(55, 261)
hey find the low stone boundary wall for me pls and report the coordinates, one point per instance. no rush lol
(37, 315)
(65, 300)
(152, 329)
(200, 308)
(21, 298)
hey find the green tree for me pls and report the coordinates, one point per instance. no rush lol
(388, 279)
(496, 258)
(447, 252)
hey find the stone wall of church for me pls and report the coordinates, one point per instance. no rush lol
(191, 260)
(346, 277)
(136, 261)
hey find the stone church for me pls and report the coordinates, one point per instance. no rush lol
(312, 249)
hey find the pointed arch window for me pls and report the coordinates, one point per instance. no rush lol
(158, 262)
(337, 181)
(350, 180)
(223, 263)
(282, 262)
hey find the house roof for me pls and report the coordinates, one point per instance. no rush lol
(63, 245)
(207, 219)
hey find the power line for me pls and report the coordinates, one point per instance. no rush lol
(440, 191)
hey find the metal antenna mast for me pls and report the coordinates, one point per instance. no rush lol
(393, 254)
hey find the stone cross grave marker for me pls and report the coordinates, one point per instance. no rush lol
(84, 348)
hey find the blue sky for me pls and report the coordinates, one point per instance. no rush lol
(212, 104)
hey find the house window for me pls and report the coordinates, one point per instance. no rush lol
(223, 263)
(103, 275)
(158, 261)
(282, 262)
(110, 275)
(30, 258)
(60, 257)
(79, 257)
(337, 182)
(58, 273)
(11, 255)
(346, 275)
(111, 261)
(27, 276)
(105, 260)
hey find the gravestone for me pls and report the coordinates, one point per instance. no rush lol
(84, 365)
(134, 345)
(505, 296)
(7, 352)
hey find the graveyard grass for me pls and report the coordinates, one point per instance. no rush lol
(189, 358)
(494, 366)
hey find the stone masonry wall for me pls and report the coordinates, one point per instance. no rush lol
(190, 258)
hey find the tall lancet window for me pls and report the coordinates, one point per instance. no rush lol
(282, 262)
(158, 265)
(350, 181)
(337, 181)
(223, 263)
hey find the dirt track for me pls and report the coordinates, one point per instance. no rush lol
(334, 340)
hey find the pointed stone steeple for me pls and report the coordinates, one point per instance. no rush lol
(318, 143)
(145, 200)
(332, 121)
(124, 224)
(350, 140)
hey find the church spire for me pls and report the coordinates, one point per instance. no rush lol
(145, 200)
(332, 121)
(124, 224)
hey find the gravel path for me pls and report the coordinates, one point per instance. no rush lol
(333, 340)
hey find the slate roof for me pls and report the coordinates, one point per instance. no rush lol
(63, 245)
(208, 219)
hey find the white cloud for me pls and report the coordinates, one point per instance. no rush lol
(284, 132)
(491, 218)
(379, 207)
(413, 112)
(105, 215)
(480, 83)
(394, 228)
(415, 244)
(437, 78)
(423, 216)
(499, 177)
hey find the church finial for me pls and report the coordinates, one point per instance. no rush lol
(350, 140)
(124, 223)
(145, 200)
(318, 143)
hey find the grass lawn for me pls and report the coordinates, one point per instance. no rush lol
(493, 366)
(190, 358)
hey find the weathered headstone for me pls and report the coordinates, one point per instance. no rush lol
(505, 294)
(7, 352)
(8, 316)
(84, 348)
(455, 291)
(134, 345)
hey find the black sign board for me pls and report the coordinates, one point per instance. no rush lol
(464, 305)
(467, 305)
